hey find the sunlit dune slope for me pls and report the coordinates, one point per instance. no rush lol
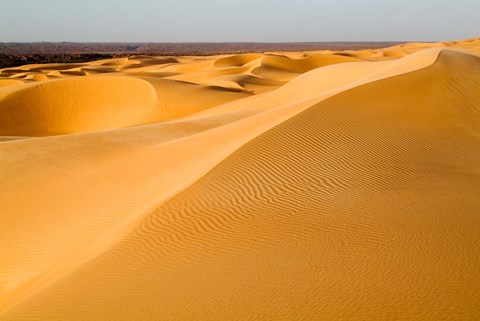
(86, 224)
(329, 190)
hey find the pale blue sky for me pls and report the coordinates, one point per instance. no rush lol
(233, 21)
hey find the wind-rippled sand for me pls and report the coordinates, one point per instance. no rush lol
(302, 186)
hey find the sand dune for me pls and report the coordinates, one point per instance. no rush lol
(319, 186)
(98, 103)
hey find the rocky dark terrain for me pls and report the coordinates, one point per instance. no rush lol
(17, 54)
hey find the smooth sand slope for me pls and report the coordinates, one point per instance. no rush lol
(317, 186)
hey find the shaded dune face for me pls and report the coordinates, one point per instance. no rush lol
(364, 206)
(10, 82)
(236, 60)
(77, 105)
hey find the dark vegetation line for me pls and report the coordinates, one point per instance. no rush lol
(14, 60)
(16, 54)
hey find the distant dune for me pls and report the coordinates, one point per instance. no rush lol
(319, 185)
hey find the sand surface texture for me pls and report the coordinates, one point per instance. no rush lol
(331, 185)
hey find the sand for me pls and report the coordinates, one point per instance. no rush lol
(314, 186)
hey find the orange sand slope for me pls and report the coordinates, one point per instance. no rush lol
(317, 186)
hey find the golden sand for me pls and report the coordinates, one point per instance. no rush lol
(303, 186)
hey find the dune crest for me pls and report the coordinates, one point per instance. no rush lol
(323, 186)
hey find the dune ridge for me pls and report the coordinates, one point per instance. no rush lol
(332, 164)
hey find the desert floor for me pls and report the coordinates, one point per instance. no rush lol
(329, 185)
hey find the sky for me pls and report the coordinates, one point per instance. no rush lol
(237, 20)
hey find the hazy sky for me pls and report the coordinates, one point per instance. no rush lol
(236, 20)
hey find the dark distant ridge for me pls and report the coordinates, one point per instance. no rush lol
(21, 53)
(177, 48)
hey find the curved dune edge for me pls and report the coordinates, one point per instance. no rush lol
(214, 144)
(100, 102)
(150, 148)
(319, 83)
(198, 229)
(208, 81)
(192, 220)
